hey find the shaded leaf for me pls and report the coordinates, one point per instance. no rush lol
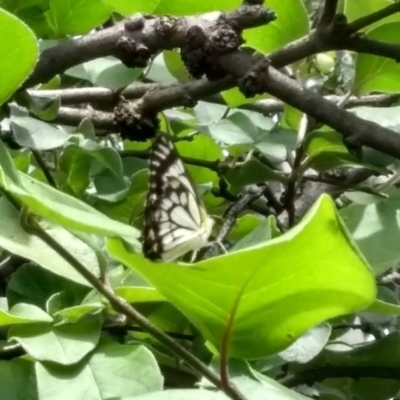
(56, 206)
(112, 370)
(17, 241)
(376, 229)
(33, 285)
(21, 314)
(65, 344)
(17, 379)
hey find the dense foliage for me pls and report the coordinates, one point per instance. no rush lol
(286, 116)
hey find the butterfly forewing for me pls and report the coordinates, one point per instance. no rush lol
(176, 221)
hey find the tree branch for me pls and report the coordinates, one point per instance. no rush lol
(327, 13)
(376, 16)
(145, 35)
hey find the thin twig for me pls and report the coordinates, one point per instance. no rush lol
(230, 217)
(376, 16)
(295, 176)
(327, 13)
(119, 305)
(42, 164)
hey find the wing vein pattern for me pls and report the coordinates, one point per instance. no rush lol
(175, 219)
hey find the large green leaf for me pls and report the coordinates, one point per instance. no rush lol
(32, 12)
(19, 52)
(79, 162)
(376, 229)
(33, 285)
(261, 299)
(375, 73)
(113, 370)
(56, 206)
(291, 24)
(22, 314)
(14, 239)
(65, 344)
(76, 17)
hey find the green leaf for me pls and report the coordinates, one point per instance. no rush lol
(16, 379)
(56, 206)
(353, 11)
(375, 73)
(384, 116)
(175, 65)
(19, 51)
(250, 130)
(202, 148)
(260, 234)
(76, 17)
(237, 128)
(137, 294)
(291, 24)
(183, 7)
(113, 370)
(382, 307)
(38, 135)
(382, 353)
(22, 314)
(33, 285)
(107, 72)
(14, 239)
(308, 346)
(127, 7)
(32, 12)
(187, 394)
(75, 313)
(306, 276)
(251, 388)
(80, 162)
(327, 151)
(387, 302)
(376, 230)
(235, 98)
(244, 225)
(129, 209)
(65, 344)
(252, 171)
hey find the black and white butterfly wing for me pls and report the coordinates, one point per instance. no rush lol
(175, 219)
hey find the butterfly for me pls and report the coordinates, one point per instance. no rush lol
(175, 219)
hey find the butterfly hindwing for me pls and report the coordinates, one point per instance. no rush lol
(175, 218)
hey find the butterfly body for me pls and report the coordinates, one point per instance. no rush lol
(175, 219)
